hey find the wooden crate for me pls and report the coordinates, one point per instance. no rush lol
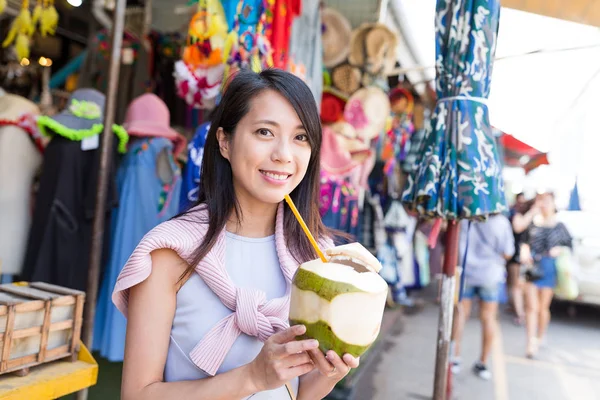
(39, 323)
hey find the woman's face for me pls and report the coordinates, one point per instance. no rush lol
(547, 205)
(269, 152)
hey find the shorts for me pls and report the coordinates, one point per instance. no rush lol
(488, 294)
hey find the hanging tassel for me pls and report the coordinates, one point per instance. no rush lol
(20, 30)
(37, 13)
(49, 19)
(22, 46)
(2, 6)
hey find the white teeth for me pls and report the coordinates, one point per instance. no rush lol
(276, 177)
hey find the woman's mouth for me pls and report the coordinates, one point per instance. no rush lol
(275, 176)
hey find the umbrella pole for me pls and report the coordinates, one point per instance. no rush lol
(106, 150)
(446, 311)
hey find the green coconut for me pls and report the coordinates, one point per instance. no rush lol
(341, 302)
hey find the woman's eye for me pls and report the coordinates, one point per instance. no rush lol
(303, 137)
(264, 132)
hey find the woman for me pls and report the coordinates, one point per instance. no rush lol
(522, 210)
(544, 240)
(207, 293)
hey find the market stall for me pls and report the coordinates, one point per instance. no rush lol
(125, 126)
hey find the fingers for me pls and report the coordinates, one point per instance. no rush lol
(324, 366)
(296, 359)
(295, 347)
(351, 361)
(288, 334)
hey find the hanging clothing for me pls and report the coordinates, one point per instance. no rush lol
(191, 173)
(306, 49)
(59, 244)
(339, 203)
(283, 17)
(166, 50)
(134, 73)
(145, 200)
(19, 161)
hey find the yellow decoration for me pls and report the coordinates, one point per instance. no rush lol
(20, 30)
(2, 6)
(37, 12)
(49, 18)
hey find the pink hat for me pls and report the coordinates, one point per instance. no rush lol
(335, 159)
(149, 116)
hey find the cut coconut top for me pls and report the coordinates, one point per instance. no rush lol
(356, 256)
(369, 282)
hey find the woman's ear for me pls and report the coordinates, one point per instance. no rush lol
(223, 141)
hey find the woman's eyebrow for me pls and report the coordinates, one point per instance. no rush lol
(267, 122)
(275, 124)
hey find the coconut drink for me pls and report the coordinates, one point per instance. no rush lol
(341, 301)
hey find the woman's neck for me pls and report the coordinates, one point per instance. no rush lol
(257, 221)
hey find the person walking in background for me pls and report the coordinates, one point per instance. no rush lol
(543, 242)
(515, 280)
(488, 245)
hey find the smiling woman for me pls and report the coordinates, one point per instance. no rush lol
(207, 294)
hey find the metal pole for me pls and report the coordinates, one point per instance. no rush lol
(446, 311)
(106, 150)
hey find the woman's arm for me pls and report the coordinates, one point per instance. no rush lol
(150, 316)
(521, 222)
(151, 310)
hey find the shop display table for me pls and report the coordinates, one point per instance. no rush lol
(52, 380)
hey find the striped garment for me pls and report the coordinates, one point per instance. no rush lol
(541, 238)
(251, 313)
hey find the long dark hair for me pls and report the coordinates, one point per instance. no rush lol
(216, 190)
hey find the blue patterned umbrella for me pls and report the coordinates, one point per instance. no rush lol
(459, 172)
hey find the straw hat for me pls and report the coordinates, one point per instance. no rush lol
(348, 138)
(367, 110)
(373, 47)
(335, 37)
(346, 78)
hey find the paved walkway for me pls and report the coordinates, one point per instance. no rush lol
(567, 369)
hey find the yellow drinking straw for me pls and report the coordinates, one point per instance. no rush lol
(305, 228)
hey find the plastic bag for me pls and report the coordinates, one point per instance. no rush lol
(566, 270)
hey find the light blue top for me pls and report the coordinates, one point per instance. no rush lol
(250, 263)
(489, 243)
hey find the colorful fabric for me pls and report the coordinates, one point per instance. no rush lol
(28, 123)
(339, 203)
(191, 173)
(139, 211)
(283, 16)
(459, 175)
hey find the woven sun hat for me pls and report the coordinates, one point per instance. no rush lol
(335, 37)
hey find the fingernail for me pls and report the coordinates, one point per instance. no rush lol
(314, 343)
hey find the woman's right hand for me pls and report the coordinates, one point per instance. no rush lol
(282, 359)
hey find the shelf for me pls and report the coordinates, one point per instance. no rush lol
(52, 380)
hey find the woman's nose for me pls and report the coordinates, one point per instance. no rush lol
(282, 152)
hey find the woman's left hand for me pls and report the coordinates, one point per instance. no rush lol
(329, 370)
(332, 366)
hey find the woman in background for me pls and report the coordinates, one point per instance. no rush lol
(544, 241)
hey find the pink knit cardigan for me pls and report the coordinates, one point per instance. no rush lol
(251, 313)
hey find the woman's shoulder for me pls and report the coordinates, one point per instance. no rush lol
(169, 245)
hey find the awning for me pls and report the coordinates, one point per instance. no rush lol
(519, 154)
(581, 11)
